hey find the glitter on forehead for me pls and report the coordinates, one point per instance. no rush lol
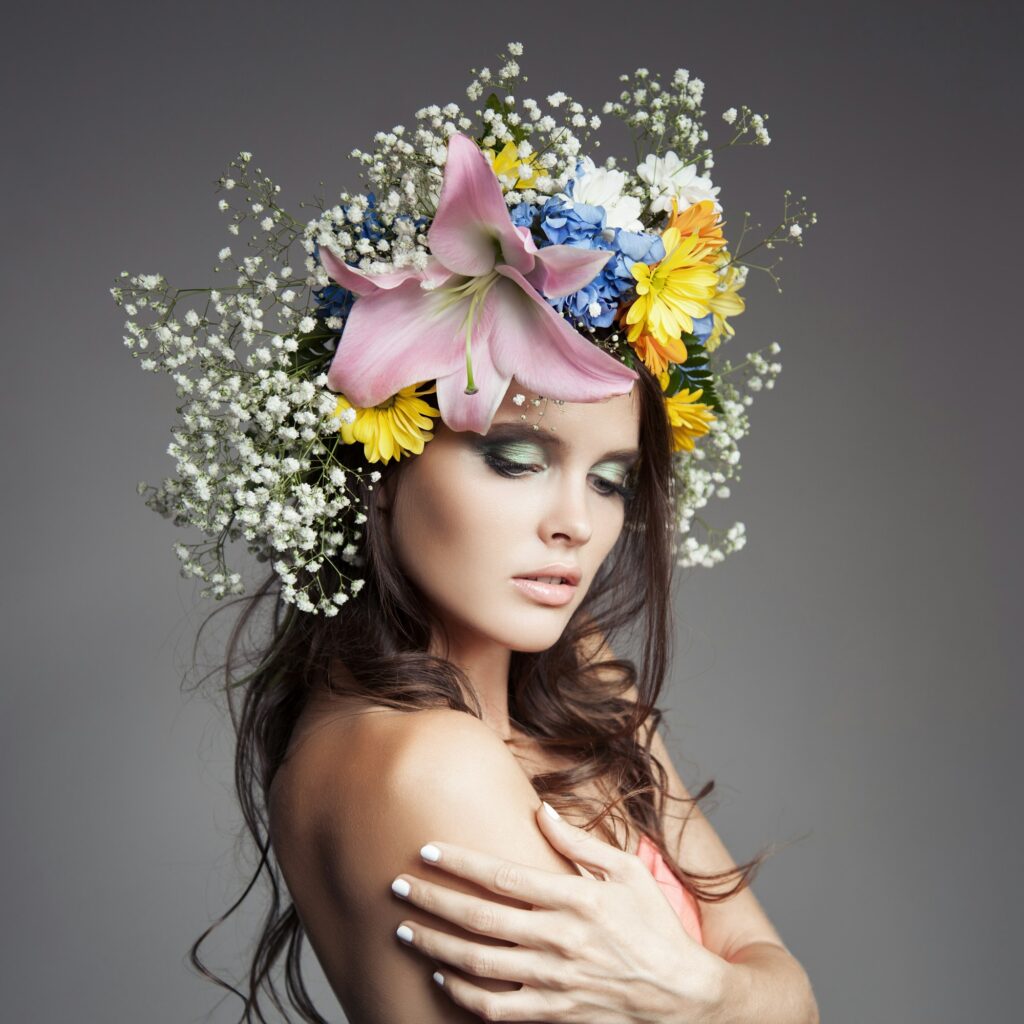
(540, 402)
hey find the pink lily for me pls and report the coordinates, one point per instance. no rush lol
(474, 317)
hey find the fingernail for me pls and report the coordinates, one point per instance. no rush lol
(400, 887)
(404, 932)
(550, 811)
(430, 852)
(439, 977)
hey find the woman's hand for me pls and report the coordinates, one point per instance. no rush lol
(602, 950)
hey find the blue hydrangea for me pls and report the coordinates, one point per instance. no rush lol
(567, 223)
(564, 222)
(523, 215)
(703, 327)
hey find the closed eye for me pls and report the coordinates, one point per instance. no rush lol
(506, 467)
(624, 491)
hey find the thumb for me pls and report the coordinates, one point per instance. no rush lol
(580, 845)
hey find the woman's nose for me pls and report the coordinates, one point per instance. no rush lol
(569, 514)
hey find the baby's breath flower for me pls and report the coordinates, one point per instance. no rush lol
(255, 449)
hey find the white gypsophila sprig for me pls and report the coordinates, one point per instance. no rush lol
(796, 219)
(412, 167)
(254, 448)
(554, 142)
(663, 117)
(407, 169)
(706, 472)
(749, 128)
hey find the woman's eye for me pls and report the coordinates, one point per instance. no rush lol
(610, 487)
(508, 467)
(511, 468)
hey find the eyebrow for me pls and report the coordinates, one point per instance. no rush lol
(522, 431)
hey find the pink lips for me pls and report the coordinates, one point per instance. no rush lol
(554, 594)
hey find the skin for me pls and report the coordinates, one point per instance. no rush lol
(364, 788)
(485, 528)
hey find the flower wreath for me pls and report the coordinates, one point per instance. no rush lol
(482, 249)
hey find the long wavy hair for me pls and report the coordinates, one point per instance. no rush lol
(577, 705)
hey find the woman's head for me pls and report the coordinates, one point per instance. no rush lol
(550, 484)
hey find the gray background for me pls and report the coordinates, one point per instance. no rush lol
(846, 678)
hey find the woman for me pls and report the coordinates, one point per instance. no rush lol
(357, 784)
(404, 763)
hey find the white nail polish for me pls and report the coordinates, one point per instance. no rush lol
(430, 852)
(400, 887)
(550, 811)
(404, 932)
(439, 977)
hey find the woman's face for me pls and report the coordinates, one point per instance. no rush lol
(474, 512)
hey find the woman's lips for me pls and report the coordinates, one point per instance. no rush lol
(554, 594)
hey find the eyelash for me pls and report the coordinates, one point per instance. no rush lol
(506, 467)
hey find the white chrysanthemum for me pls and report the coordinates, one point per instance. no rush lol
(597, 186)
(668, 177)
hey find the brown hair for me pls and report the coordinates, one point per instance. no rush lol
(564, 697)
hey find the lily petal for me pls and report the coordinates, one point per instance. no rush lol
(472, 228)
(472, 412)
(399, 336)
(561, 270)
(530, 341)
(361, 283)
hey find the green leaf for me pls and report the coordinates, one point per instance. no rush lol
(692, 375)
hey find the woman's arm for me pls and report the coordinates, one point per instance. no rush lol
(768, 985)
(765, 982)
(429, 775)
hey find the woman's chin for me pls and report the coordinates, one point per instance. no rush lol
(533, 640)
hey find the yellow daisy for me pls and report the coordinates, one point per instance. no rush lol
(508, 162)
(400, 425)
(687, 417)
(673, 291)
(723, 304)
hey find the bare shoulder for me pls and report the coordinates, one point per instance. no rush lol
(359, 802)
(444, 775)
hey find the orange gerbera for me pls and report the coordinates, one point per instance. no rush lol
(702, 219)
(656, 355)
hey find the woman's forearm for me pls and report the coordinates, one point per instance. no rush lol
(764, 984)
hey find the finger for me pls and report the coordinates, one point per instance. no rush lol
(584, 847)
(509, 963)
(535, 886)
(473, 913)
(524, 1004)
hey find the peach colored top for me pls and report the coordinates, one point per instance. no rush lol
(682, 901)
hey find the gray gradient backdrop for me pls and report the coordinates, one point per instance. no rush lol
(848, 678)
